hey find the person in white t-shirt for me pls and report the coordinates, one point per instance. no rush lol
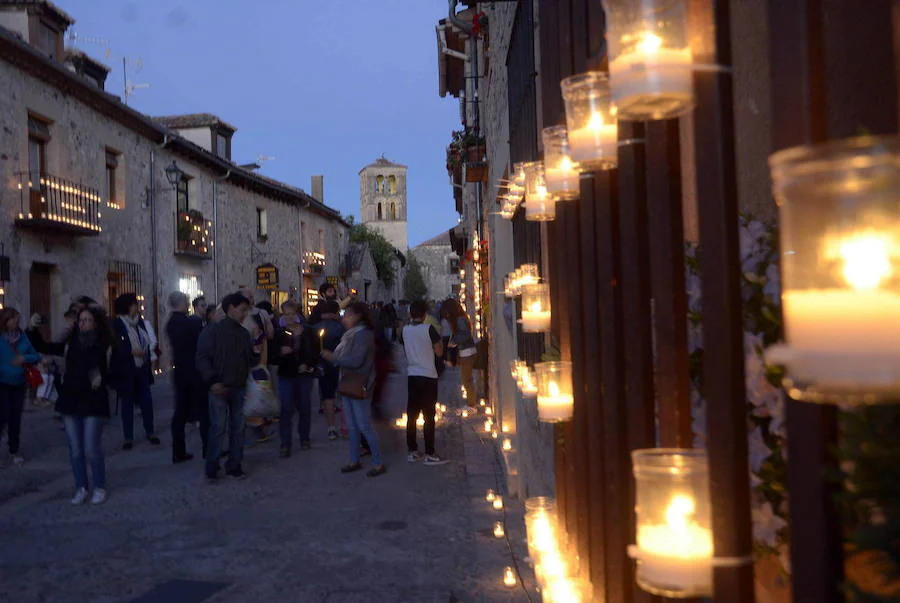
(422, 343)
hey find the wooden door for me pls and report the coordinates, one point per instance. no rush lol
(39, 285)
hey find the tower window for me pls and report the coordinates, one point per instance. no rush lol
(379, 184)
(393, 211)
(379, 211)
(392, 184)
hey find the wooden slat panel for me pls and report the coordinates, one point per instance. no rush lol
(594, 190)
(668, 283)
(616, 463)
(723, 369)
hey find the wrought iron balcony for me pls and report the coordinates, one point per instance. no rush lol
(48, 203)
(192, 236)
(313, 262)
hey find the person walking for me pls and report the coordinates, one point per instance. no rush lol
(461, 339)
(16, 352)
(200, 306)
(259, 324)
(84, 401)
(422, 344)
(329, 330)
(130, 368)
(224, 357)
(297, 347)
(191, 403)
(355, 356)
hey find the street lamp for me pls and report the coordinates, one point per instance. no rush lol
(174, 174)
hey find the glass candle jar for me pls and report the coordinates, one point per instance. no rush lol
(650, 59)
(567, 590)
(674, 536)
(540, 206)
(593, 130)
(536, 308)
(560, 172)
(554, 391)
(839, 205)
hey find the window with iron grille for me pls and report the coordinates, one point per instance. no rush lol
(121, 278)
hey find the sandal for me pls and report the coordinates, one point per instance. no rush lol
(351, 467)
(376, 471)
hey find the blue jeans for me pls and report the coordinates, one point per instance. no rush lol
(85, 447)
(295, 393)
(138, 393)
(359, 421)
(226, 413)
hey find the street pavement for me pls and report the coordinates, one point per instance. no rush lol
(295, 530)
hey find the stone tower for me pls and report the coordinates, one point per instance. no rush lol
(382, 200)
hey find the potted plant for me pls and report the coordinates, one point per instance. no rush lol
(184, 229)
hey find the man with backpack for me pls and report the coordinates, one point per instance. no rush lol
(422, 343)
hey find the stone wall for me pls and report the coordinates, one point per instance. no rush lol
(435, 262)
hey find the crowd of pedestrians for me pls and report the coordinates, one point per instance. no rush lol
(221, 354)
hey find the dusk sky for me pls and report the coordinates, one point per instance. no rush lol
(324, 87)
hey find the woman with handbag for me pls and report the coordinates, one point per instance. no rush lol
(84, 401)
(355, 356)
(17, 359)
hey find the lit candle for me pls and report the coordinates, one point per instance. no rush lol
(562, 177)
(649, 81)
(490, 496)
(488, 411)
(596, 143)
(847, 337)
(487, 426)
(505, 428)
(494, 434)
(535, 319)
(507, 444)
(509, 577)
(482, 402)
(555, 405)
(498, 503)
(465, 413)
(676, 555)
(499, 531)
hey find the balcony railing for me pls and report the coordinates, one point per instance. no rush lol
(313, 262)
(192, 234)
(49, 203)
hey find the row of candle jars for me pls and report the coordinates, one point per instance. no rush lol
(553, 561)
(526, 274)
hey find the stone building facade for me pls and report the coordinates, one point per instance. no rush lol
(382, 200)
(439, 265)
(98, 199)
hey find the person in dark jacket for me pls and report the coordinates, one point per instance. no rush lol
(190, 392)
(84, 401)
(16, 352)
(329, 331)
(224, 357)
(297, 348)
(130, 368)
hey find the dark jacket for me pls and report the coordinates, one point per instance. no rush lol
(334, 330)
(304, 355)
(122, 369)
(224, 354)
(184, 334)
(76, 394)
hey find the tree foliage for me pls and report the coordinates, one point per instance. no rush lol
(383, 253)
(414, 286)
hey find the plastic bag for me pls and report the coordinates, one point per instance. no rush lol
(47, 389)
(260, 400)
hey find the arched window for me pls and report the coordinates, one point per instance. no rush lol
(392, 184)
(379, 184)
(393, 211)
(379, 210)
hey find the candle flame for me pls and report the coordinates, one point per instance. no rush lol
(596, 122)
(553, 389)
(866, 258)
(321, 332)
(650, 43)
(679, 510)
(535, 306)
(566, 164)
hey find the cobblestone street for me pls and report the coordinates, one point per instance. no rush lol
(296, 530)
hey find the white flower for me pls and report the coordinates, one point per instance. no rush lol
(766, 525)
(757, 449)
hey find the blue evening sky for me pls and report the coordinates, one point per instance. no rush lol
(323, 86)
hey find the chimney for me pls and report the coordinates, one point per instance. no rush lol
(318, 188)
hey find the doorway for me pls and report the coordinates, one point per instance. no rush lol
(41, 297)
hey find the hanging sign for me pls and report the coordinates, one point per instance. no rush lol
(267, 277)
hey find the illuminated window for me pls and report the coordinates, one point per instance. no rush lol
(379, 184)
(190, 286)
(392, 184)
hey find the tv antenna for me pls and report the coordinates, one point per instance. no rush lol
(128, 86)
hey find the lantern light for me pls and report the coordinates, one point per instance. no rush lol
(499, 530)
(840, 232)
(540, 206)
(554, 391)
(674, 549)
(591, 118)
(509, 577)
(650, 59)
(560, 172)
(497, 503)
(536, 308)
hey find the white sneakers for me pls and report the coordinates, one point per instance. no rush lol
(433, 459)
(413, 457)
(81, 496)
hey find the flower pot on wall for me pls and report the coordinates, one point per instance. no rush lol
(476, 172)
(475, 153)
